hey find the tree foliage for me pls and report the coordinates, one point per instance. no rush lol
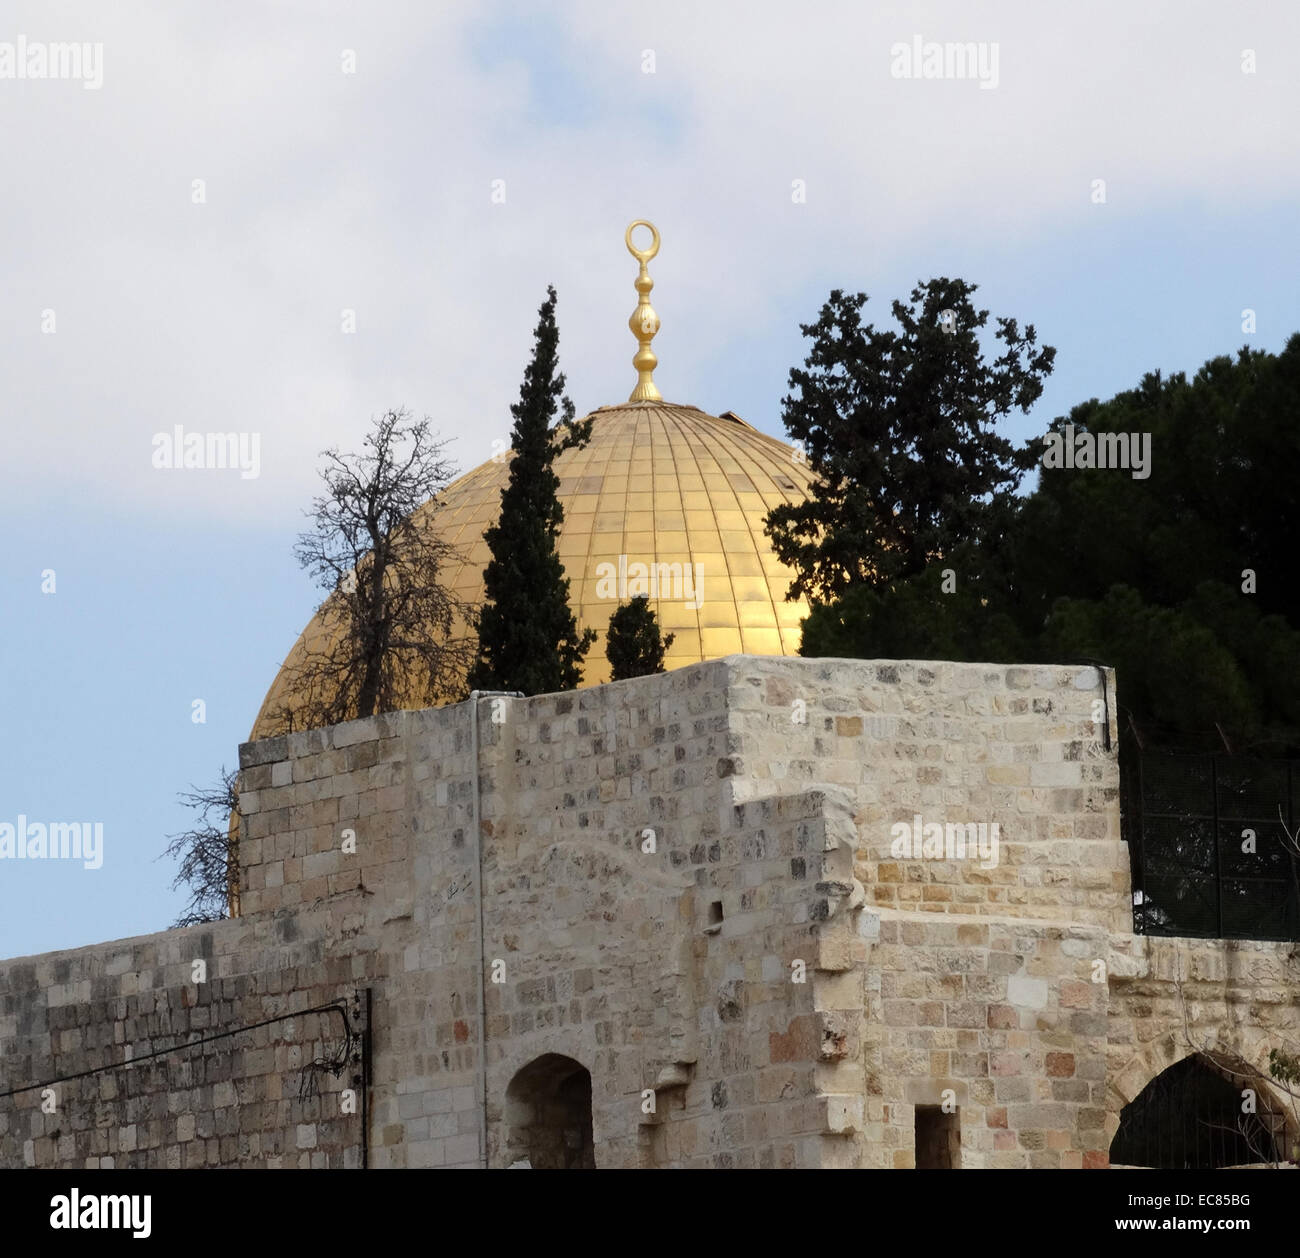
(633, 645)
(899, 430)
(528, 636)
(1182, 581)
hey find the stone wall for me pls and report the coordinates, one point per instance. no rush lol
(1232, 1000)
(692, 892)
(980, 982)
(952, 743)
(139, 1065)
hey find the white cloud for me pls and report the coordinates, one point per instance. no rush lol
(371, 192)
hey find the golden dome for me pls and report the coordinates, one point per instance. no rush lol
(656, 485)
(663, 500)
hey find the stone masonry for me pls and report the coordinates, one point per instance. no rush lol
(693, 893)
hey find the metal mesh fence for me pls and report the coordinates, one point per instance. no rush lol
(1208, 841)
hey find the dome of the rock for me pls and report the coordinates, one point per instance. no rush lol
(657, 485)
(664, 500)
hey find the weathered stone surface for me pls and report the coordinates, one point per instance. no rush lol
(708, 888)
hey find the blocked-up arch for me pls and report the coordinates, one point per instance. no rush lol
(548, 1115)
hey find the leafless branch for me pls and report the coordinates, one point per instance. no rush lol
(386, 622)
(208, 854)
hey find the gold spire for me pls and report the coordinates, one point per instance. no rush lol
(644, 322)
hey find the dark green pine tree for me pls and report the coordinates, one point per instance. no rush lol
(899, 428)
(633, 645)
(1178, 579)
(528, 637)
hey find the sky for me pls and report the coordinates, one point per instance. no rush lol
(184, 226)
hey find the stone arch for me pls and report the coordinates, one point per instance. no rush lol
(1191, 1116)
(1124, 1086)
(548, 1115)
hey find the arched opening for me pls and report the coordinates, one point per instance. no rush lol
(1199, 1115)
(548, 1116)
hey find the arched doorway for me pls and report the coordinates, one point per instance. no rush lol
(548, 1115)
(1194, 1115)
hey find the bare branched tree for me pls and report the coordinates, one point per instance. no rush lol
(208, 852)
(1262, 1128)
(386, 621)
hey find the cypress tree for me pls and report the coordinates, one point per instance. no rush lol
(633, 645)
(528, 637)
